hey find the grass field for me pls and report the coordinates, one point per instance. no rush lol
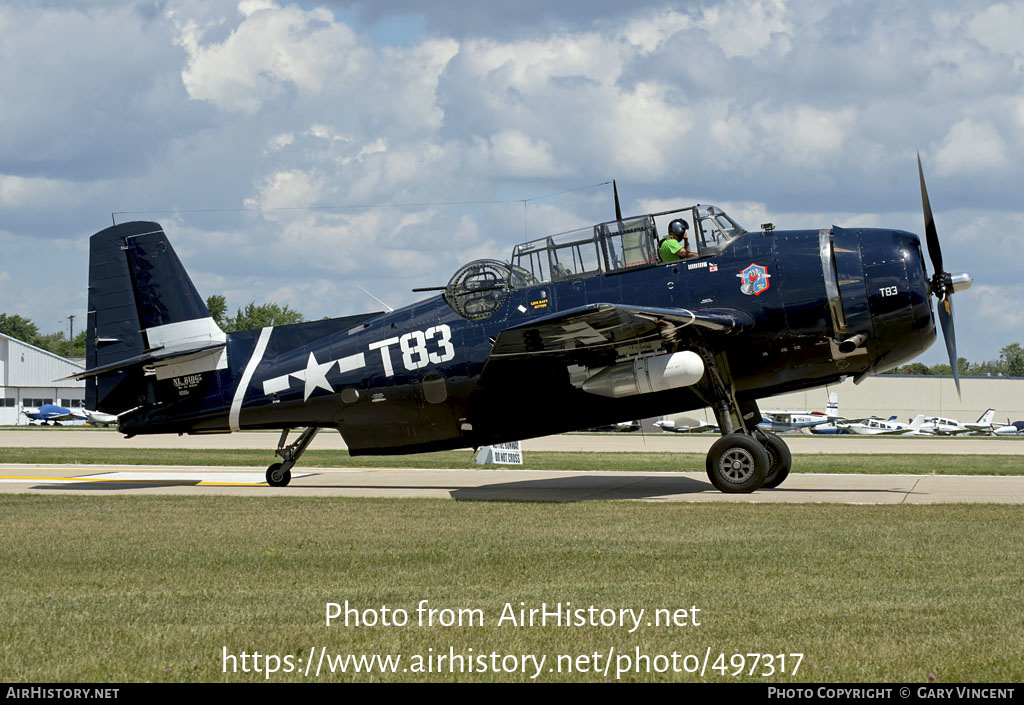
(939, 464)
(154, 588)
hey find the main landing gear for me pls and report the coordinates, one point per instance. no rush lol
(280, 474)
(742, 463)
(745, 458)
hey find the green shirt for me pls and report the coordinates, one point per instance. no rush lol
(670, 249)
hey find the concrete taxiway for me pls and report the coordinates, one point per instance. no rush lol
(39, 437)
(511, 485)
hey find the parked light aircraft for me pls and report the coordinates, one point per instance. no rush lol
(1010, 429)
(578, 330)
(780, 421)
(832, 428)
(827, 423)
(98, 418)
(878, 427)
(681, 424)
(941, 426)
(620, 427)
(52, 414)
(984, 424)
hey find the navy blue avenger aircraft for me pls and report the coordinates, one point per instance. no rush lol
(580, 329)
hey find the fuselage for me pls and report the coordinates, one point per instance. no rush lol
(825, 305)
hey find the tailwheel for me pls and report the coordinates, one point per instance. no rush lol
(737, 463)
(780, 459)
(279, 474)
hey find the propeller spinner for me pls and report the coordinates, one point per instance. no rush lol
(943, 284)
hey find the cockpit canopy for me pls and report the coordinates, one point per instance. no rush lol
(479, 288)
(715, 229)
(619, 244)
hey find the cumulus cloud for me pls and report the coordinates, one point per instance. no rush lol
(999, 28)
(971, 146)
(746, 27)
(271, 48)
(989, 304)
(22, 192)
(805, 135)
(516, 154)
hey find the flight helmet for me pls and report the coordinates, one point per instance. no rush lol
(678, 227)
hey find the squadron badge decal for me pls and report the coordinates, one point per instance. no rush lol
(754, 280)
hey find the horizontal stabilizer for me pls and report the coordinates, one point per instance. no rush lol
(178, 355)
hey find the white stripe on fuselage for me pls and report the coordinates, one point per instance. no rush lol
(250, 369)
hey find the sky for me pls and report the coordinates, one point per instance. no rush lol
(296, 152)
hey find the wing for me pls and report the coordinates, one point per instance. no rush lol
(66, 417)
(606, 331)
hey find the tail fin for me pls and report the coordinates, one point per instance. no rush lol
(987, 416)
(145, 317)
(917, 422)
(832, 409)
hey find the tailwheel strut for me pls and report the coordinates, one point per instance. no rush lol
(280, 474)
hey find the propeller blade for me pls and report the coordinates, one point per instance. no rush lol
(931, 236)
(946, 321)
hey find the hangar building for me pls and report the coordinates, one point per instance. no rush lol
(906, 396)
(28, 379)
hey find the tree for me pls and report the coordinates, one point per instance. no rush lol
(218, 307)
(915, 368)
(81, 344)
(268, 314)
(19, 327)
(989, 368)
(57, 343)
(1011, 360)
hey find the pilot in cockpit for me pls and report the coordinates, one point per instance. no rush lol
(676, 245)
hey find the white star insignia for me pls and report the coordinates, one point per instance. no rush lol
(315, 376)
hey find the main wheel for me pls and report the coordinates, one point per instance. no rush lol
(737, 463)
(780, 460)
(278, 475)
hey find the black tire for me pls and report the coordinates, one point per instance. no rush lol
(780, 460)
(737, 464)
(278, 477)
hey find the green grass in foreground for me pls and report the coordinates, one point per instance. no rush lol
(153, 588)
(938, 464)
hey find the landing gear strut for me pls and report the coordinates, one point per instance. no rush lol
(745, 458)
(280, 474)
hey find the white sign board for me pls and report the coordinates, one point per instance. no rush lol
(500, 454)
